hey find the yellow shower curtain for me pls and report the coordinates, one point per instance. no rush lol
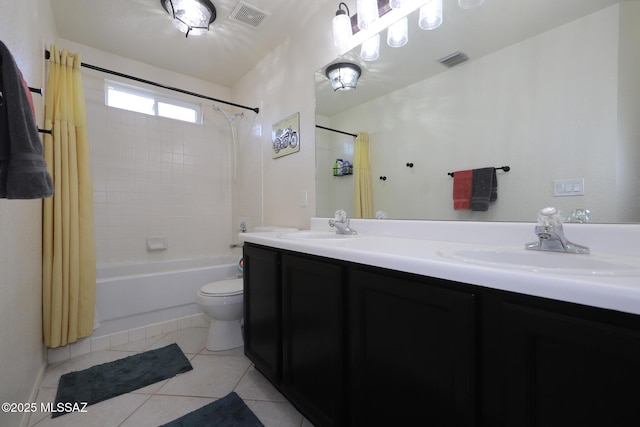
(362, 196)
(69, 262)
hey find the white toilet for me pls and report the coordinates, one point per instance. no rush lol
(222, 302)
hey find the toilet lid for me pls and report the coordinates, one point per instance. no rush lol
(223, 287)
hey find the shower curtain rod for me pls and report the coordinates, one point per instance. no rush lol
(337, 131)
(47, 54)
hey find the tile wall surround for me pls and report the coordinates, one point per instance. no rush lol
(92, 344)
(157, 177)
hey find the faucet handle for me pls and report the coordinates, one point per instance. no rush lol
(550, 216)
(340, 215)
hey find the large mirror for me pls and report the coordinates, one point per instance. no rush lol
(551, 89)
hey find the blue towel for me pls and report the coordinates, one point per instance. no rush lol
(23, 171)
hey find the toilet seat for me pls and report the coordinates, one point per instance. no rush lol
(223, 288)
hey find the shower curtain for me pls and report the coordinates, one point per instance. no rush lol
(363, 199)
(69, 264)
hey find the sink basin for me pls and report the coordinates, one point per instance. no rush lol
(551, 262)
(316, 235)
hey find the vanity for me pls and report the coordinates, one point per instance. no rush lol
(446, 324)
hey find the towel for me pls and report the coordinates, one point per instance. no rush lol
(23, 171)
(462, 189)
(484, 188)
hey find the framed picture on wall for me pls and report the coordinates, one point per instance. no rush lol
(285, 136)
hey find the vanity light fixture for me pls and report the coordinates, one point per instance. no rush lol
(190, 16)
(431, 17)
(343, 75)
(342, 31)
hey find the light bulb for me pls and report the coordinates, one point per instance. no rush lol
(367, 11)
(431, 15)
(341, 29)
(370, 50)
(398, 33)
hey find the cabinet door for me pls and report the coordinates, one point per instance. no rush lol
(412, 349)
(313, 338)
(262, 338)
(564, 369)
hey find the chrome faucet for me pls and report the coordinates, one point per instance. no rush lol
(341, 223)
(551, 235)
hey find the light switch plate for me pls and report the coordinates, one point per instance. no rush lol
(568, 187)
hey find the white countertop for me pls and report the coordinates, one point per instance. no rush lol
(414, 247)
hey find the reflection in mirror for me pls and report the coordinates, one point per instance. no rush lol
(551, 89)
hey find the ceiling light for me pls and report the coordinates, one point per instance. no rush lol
(343, 75)
(342, 31)
(395, 4)
(190, 16)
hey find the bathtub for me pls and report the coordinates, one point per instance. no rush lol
(134, 295)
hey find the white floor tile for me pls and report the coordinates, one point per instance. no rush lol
(214, 375)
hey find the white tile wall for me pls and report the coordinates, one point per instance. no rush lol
(156, 177)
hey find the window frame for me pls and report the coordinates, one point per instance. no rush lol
(157, 98)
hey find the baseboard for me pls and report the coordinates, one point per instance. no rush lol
(115, 339)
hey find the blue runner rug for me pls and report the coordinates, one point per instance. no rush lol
(230, 411)
(102, 382)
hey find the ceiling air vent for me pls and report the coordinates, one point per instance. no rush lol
(454, 59)
(248, 14)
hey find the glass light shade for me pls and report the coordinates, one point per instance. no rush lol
(343, 76)
(370, 50)
(341, 29)
(431, 15)
(367, 11)
(190, 16)
(469, 4)
(398, 33)
(395, 4)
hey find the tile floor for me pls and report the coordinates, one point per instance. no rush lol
(214, 375)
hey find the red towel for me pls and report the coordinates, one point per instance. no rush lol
(462, 189)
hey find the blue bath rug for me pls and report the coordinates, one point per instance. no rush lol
(230, 411)
(101, 382)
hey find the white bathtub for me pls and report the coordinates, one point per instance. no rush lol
(133, 295)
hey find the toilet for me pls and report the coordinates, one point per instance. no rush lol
(222, 303)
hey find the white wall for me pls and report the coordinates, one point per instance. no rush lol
(157, 177)
(283, 84)
(24, 27)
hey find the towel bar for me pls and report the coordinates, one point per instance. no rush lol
(504, 168)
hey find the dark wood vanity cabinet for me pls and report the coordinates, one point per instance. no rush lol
(552, 363)
(313, 338)
(355, 345)
(262, 310)
(412, 350)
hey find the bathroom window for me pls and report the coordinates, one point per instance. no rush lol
(132, 98)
